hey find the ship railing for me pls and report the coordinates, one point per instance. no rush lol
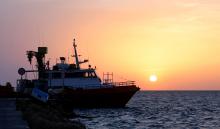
(93, 86)
(127, 83)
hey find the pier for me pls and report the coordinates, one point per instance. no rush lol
(11, 118)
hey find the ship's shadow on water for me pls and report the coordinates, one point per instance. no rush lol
(164, 109)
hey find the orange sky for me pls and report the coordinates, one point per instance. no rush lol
(178, 40)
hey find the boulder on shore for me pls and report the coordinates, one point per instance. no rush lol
(42, 116)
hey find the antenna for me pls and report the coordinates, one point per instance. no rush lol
(68, 57)
(88, 52)
(76, 54)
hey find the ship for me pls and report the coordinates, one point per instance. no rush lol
(69, 84)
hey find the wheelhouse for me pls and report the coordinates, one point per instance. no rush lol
(86, 78)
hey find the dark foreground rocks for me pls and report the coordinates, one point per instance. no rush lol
(44, 116)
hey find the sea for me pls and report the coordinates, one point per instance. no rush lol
(159, 110)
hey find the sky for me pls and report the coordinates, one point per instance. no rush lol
(176, 40)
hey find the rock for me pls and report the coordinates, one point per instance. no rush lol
(42, 116)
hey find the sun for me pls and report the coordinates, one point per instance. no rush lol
(153, 78)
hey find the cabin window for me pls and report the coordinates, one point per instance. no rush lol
(80, 75)
(74, 75)
(91, 74)
(56, 75)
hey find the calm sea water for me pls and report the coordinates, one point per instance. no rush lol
(158, 110)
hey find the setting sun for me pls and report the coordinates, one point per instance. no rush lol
(153, 78)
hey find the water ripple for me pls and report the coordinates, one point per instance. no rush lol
(159, 110)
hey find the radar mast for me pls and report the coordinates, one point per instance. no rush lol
(76, 54)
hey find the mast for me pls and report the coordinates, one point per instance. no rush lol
(76, 55)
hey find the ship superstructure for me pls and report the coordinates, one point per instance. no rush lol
(79, 87)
